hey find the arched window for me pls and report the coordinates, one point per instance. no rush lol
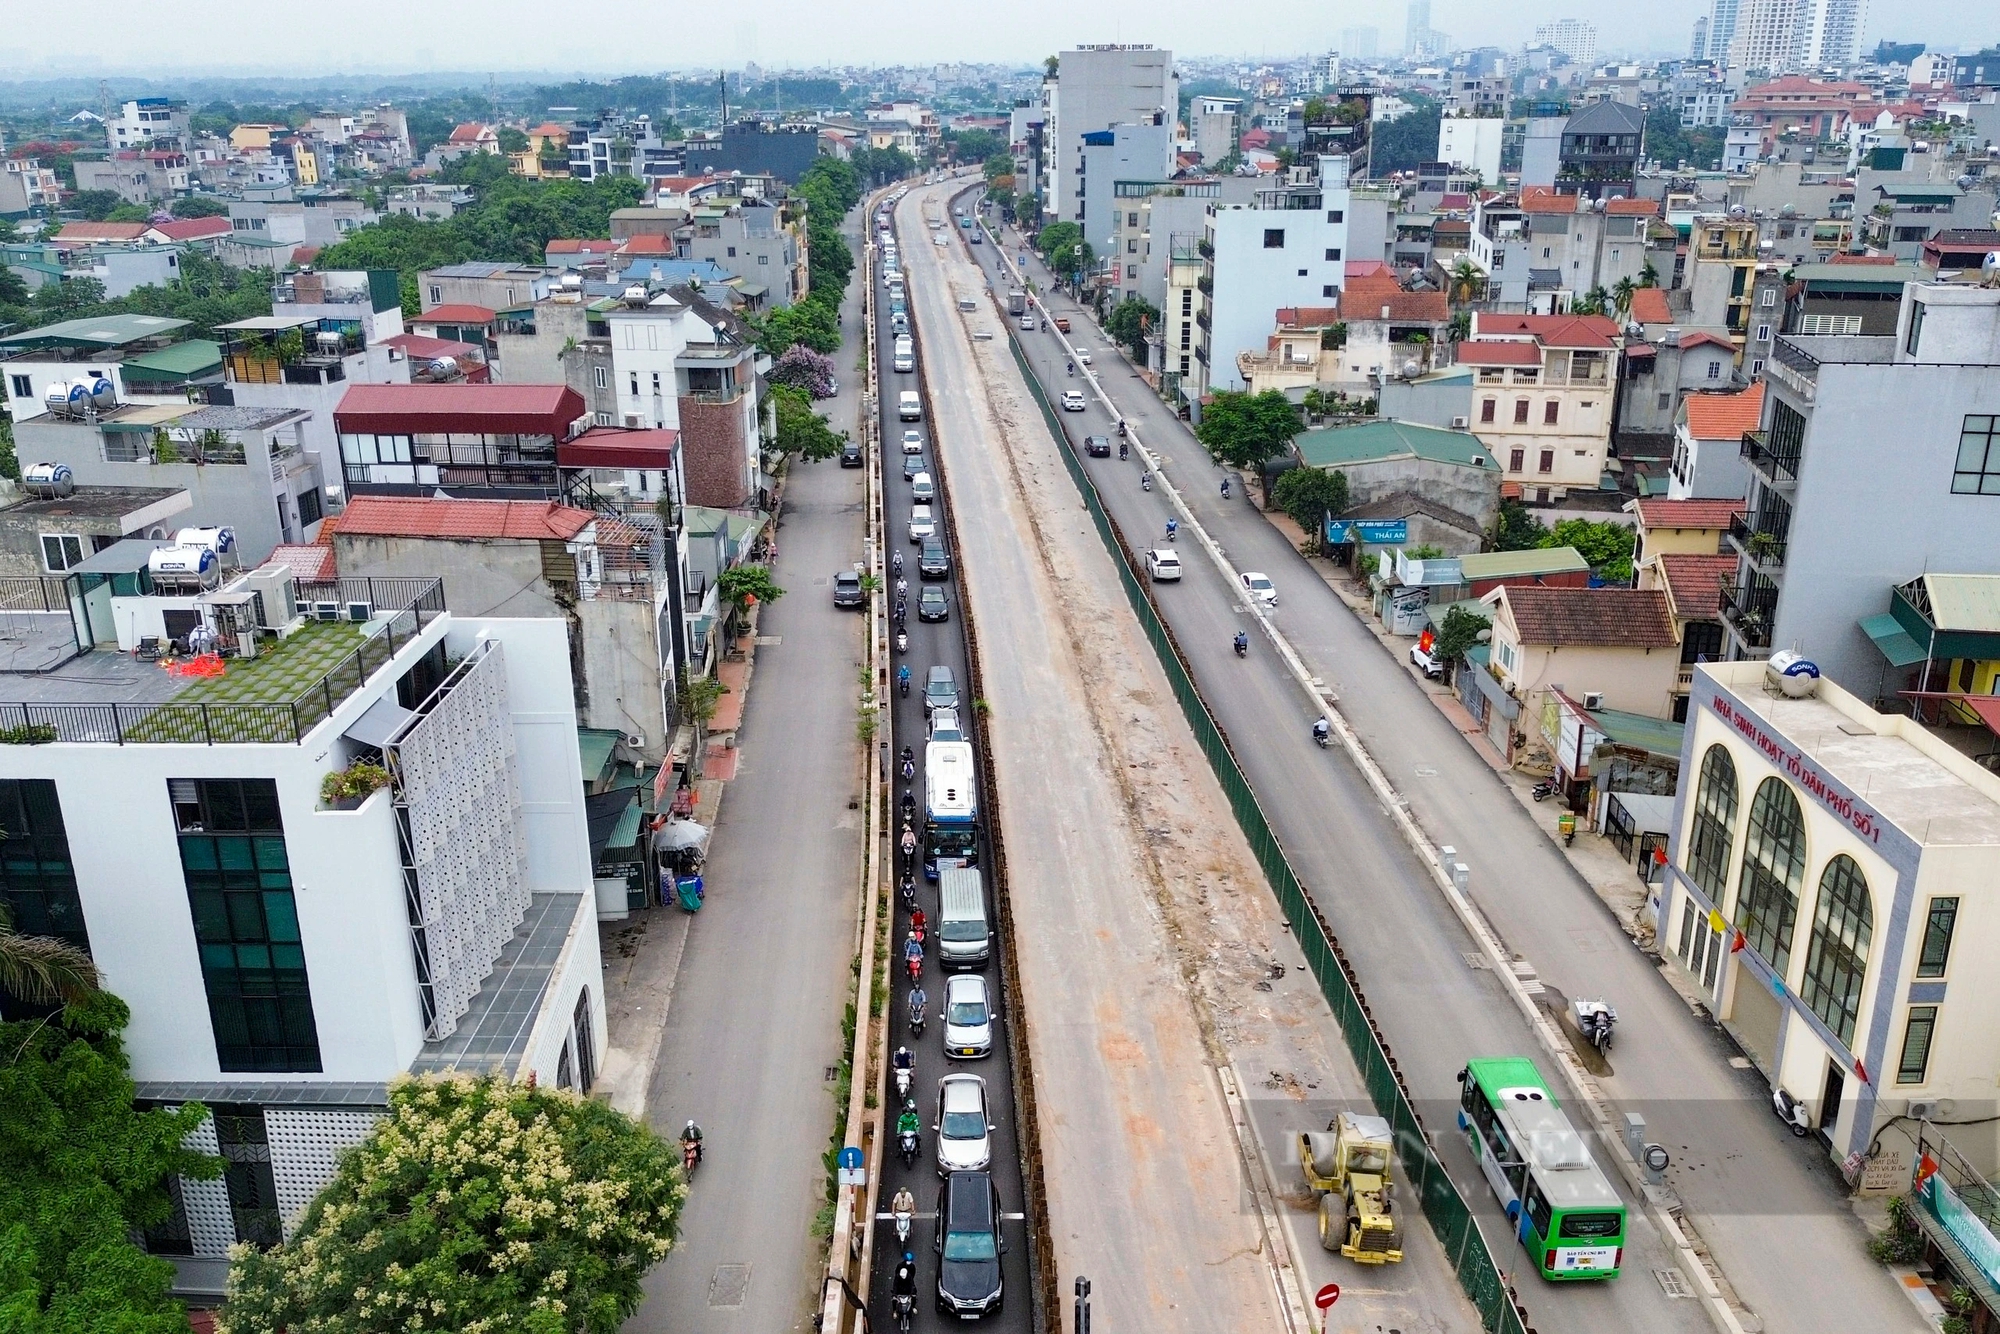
(1714, 833)
(1774, 863)
(1837, 959)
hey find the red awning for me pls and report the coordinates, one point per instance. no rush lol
(615, 447)
(460, 409)
(1986, 707)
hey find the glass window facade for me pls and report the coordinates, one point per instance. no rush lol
(1774, 863)
(37, 882)
(1837, 959)
(246, 1173)
(1714, 832)
(246, 924)
(1916, 1058)
(1938, 926)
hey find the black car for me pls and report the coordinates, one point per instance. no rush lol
(932, 562)
(1097, 446)
(969, 1246)
(850, 455)
(931, 605)
(912, 465)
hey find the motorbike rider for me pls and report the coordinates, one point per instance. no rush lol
(918, 1000)
(1173, 526)
(917, 920)
(913, 951)
(1072, 368)
(1242, 643)
(903, 1202)
(908, 842)
(906, 1276)
(902, 1059)
(1225, 488)
(1121, 428)
(903, 677)
(902, 588)
(1321, 729)
(1124, 451)
(909, 1122)
(691, 1138)
(896, 562)
(1145, 481)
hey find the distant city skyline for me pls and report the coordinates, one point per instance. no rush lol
(374, 36)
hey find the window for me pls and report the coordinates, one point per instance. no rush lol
(606, 419)
(1184, 365)
(1327, 290)
(656, 384)
(1756, 365)
(1131, 247)
(732, 252)
(1517, 460)
(1978, 471)
(1549, 410)
(1916, 1058)
(61, 550)
(37, 881)
(1486, 406)
(311, 508)
(1520, 412)
(1302, 273)
(1837, 957)
(1333, 253)
(1547, 462)
(1545, 252)
(246, 924)
(600, 377)
(1131, 219)
(1774, 862)
(763, 259)
(1187, 301)
(23, 386)
(1666, 401)
(1335, 215)
(1763, 333)
(1768, 297)
(1714, 824)
(1131, 272)
(245, 1144)
(1274, 238)
(437, 295)
(586, 1046)
(1715, 370)
(1916, 328)
(635, 384)
(1931, 959)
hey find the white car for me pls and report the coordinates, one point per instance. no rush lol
(913, 442)
(923, 524)
(1164, 565)
(1425, 663)
(1259, 588)
(944, 726)
(968, 1018)
(964, 1135)
(1028, 323)
(1082, 357)
(1073, 400)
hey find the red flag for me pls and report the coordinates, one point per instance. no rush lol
(1425, 640)
(1737, 942)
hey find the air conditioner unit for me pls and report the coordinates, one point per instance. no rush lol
(360, 611)
(1593, 699)
(1459, 423)
(326, 611)
(1922, 1109)
(276, 587)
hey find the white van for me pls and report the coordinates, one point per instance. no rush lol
(964, 939)
(909, 407)
(906, 355)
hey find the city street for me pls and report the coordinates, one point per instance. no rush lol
(1744, 1181)
(754, 1029)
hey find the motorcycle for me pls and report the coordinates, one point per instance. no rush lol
(1545, 789)
(906, 1145)
(1145, 481)
(904, 1074)
(896, 562)
(1124, 451)
(1595, 1020)
(903, 1306)
(1173, 527)
(690, 1155)
(902, 588)
(1792, 1112)
(916, 1016)
(1225, 488)
(909, 890)
(903, 1220)
(1242, 646)
(902, 641)
(1321, 731)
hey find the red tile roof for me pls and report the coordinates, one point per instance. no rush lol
(652, 243)
(587, 245)
(461, 312)
(466, 409)
(1541, 199)
(1657, 512)
(548, 129)
(1307, 317)
(469, 133)
(1696, 583)
(1649, 306)
(1380, 282)
(1361, 268)
(1499, 354)
(305, 254)
(422, 348)
(1725, 416)
(102, 231)
(1632, 208)
(310, 561)
(1700, 336)
(192, 229)
(1423, 307)
(1609, 617)
(1585, 331)
(617, 447)
(1844, 258)
(417, 516)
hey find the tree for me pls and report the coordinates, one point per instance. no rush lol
(1518, 530)
(476, 1204)
(85, 1170)
(974, 145)
(1459, 633)
(803, 368)
(200, 206)
(1129, 323)
(813, 323)
(129, 213)
(40, 970)
(801, 432)
(1466, 281)
(1621, 296)
(1058, 243)
(1606, 545)
(1247, 429)
(1402, 143)
(1592, 302)
(1649, 276)
(94, 205)
(743, 585)
(1311, 496)
(999, 164)
(511, 139)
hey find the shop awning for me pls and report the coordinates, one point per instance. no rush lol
(1892, 639)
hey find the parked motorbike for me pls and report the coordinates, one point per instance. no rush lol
(1595, 1019)
(1545, 789)
(1792, 1112)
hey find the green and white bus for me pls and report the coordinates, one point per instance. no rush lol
(1564, 1210)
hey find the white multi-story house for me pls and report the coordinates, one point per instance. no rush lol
(147, 120)
(285, 956)
(1542, 396)
(1096, 87)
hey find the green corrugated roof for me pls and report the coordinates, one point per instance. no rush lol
(1655, 736)
(183, 361)
(625, 834)
(99, 331)
(1968, 602)
(1344, 446)
(594, 745)
(1514, 564)
(1856, 277)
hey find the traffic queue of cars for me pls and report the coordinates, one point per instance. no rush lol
(967, 1243)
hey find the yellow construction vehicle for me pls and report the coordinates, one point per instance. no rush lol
(1348, 1165)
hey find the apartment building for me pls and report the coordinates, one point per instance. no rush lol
(1601, 147)
(1542, 397)
(762, 242)
(1213, 126)
(1095, 88)
(145, 121)
(613, 145)
(26, 185)
(1288, 249)
(137, 176)
(1472, 144)
(286, 957)
(1183, 353)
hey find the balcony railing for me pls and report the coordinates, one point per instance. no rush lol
(1781, 467)
(1205, 284)
(1201, 318)
(1205, 248)
(1749, 609)
(1763, 545)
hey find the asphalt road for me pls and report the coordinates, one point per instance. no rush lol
(755, 1022)
(936, 643)
(1768, 1206)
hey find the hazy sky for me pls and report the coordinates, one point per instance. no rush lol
(629, 36)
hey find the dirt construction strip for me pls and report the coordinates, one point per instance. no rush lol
(1154, 965)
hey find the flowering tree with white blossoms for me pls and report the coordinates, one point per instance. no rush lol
(477, 1205)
